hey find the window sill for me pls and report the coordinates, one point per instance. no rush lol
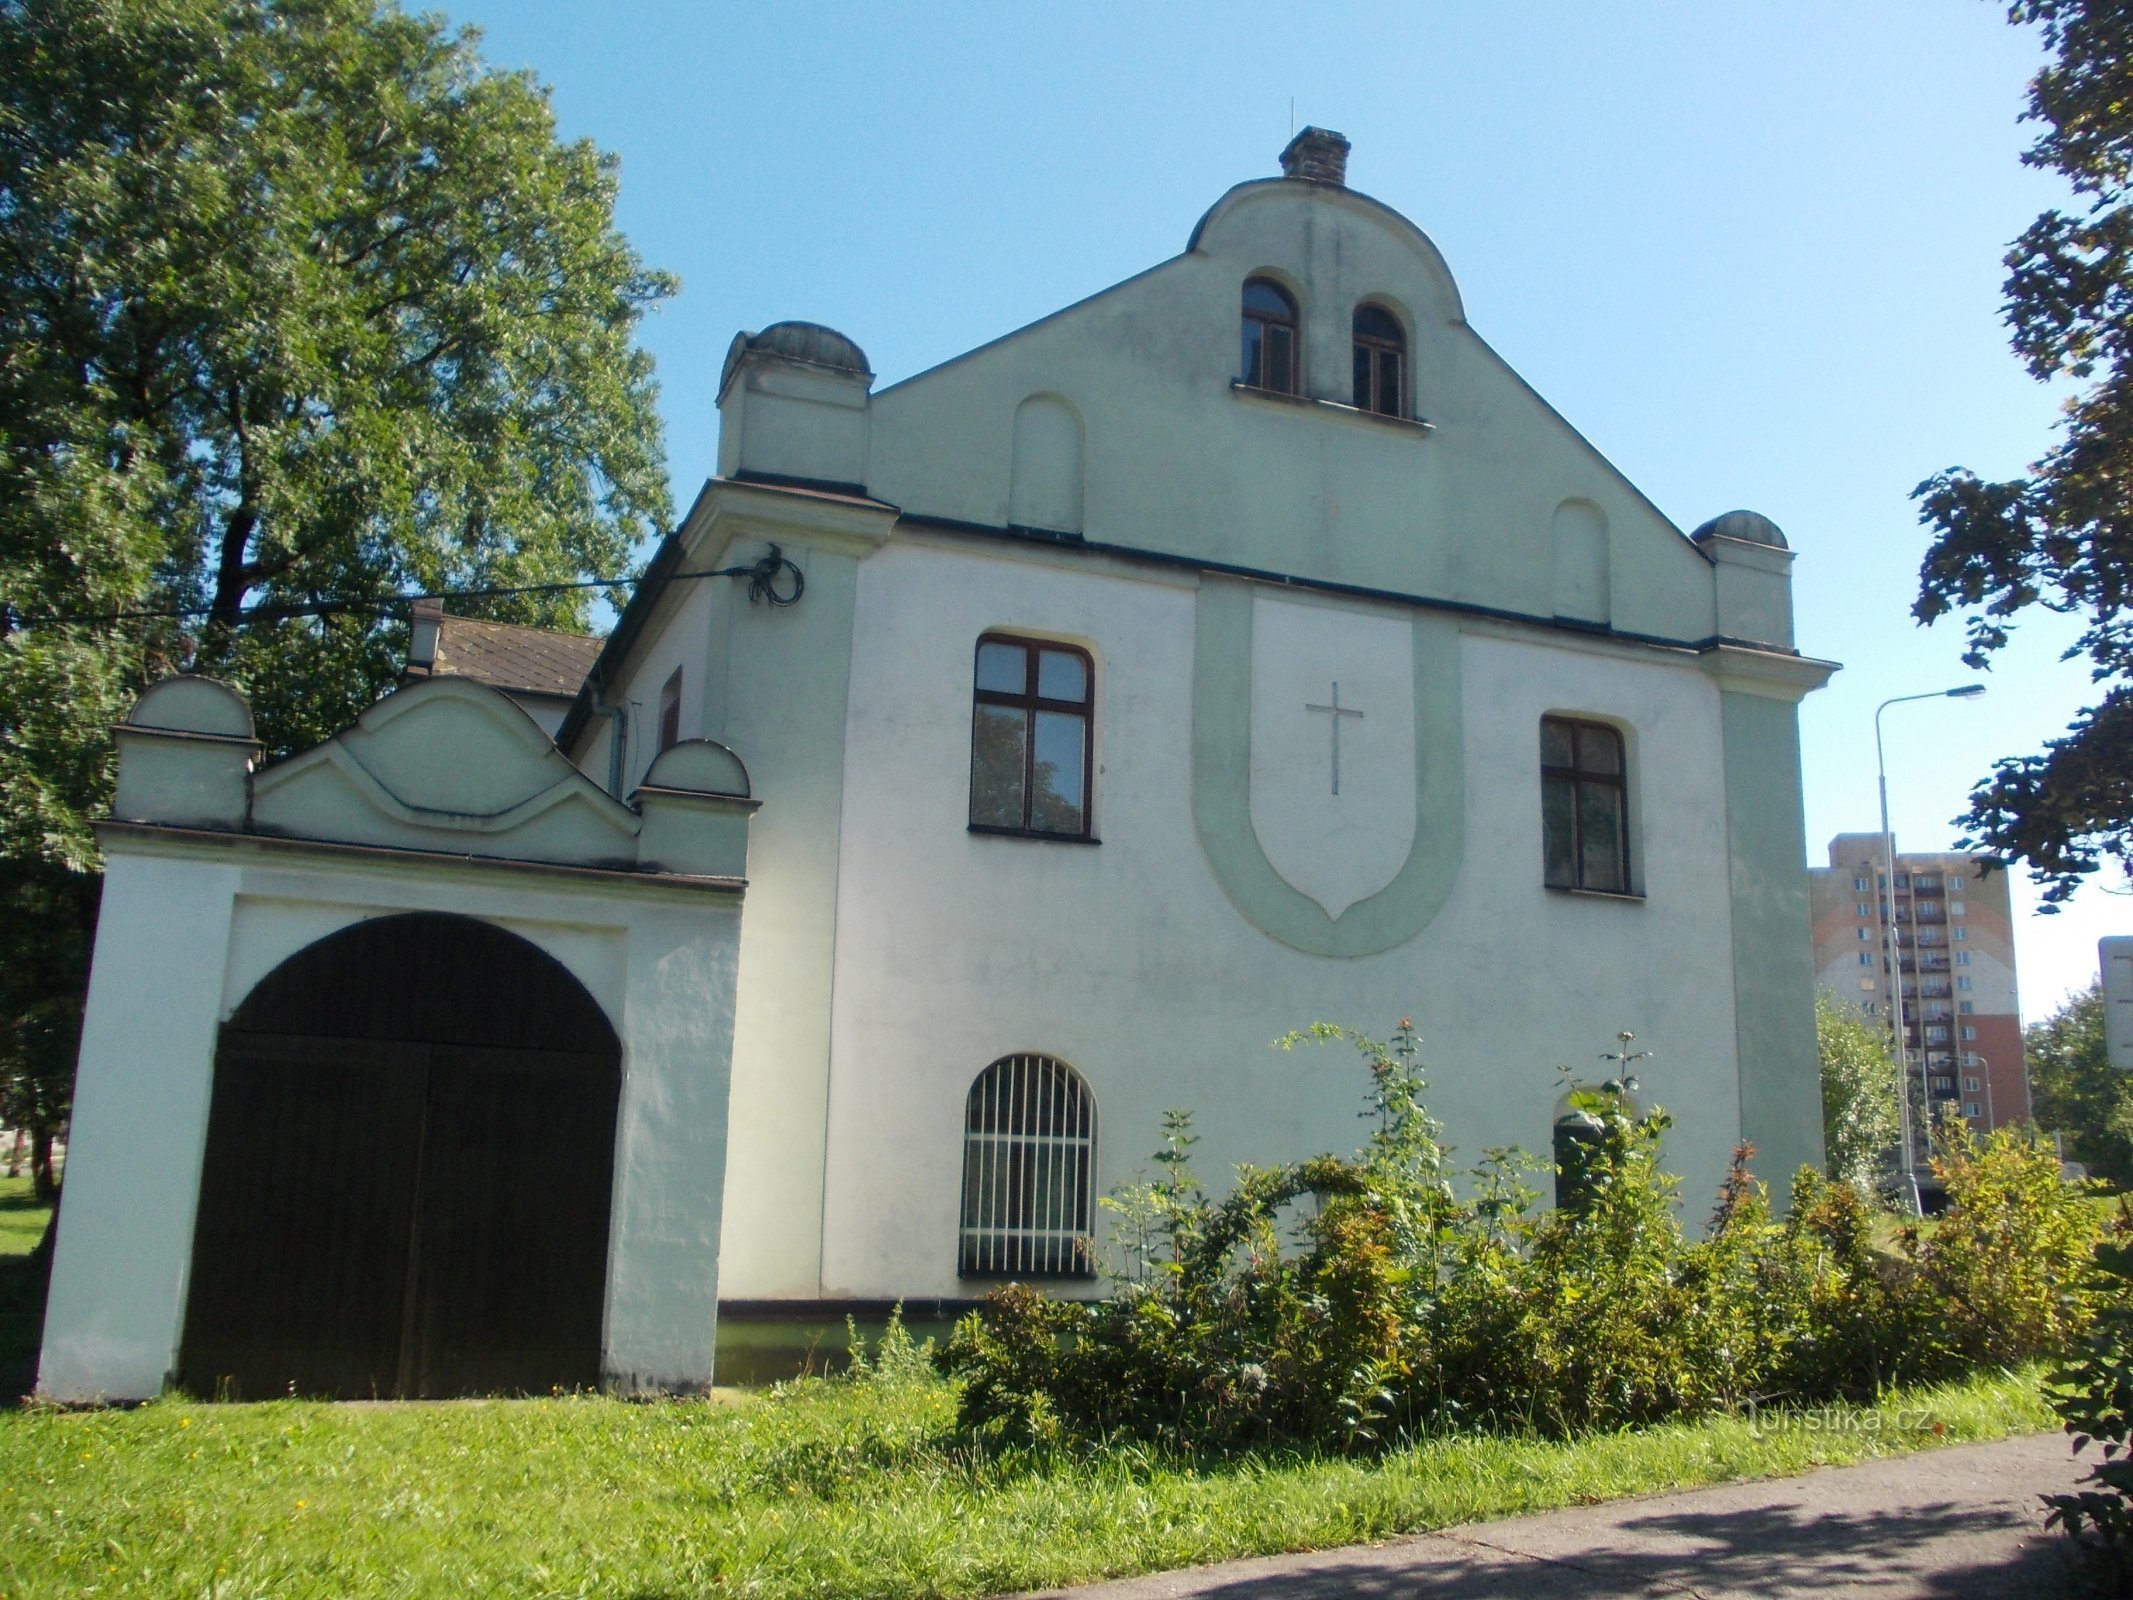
(1405, 424)
(1032, 833)
(1595, 894)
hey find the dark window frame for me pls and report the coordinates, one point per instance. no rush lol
(1372, 351)
(1031, 702)
(1580, 777)
(1257, 327)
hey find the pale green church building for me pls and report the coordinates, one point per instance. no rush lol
(989, 762)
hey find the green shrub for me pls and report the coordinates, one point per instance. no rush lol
(2001, 1278)
(1605, 1313)
(1348, 1302)
(2093, 1394)
(1849, 1333)
(1010, 1361)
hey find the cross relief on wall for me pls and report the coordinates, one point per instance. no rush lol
(1332, 802)
(1334, 713)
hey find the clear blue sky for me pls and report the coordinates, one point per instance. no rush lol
(1752, 250)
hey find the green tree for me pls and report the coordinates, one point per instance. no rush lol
(1861, 1122)
(2075, 1092)
(300, 304)
(2061, 536)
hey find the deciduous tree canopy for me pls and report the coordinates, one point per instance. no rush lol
(2077, 1093)
(299, 302)
(1860, 1116)
(2061, 536)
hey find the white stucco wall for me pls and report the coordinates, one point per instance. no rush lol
(891, 954)
(140, 1124)
(1127, 959)
(191, 926)
(676, 641)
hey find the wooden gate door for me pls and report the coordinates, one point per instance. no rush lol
(407, 1176)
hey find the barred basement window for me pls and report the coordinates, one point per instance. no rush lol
(1029, 1168)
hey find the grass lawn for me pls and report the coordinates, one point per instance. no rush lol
(22, 1218)
(824, 1488)
(22, 1221)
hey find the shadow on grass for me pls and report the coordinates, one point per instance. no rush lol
(1757, 1551)
(24, 1280)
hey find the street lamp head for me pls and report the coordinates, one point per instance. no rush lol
(1969, 691)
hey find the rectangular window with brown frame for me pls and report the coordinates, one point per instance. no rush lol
(1029, 738)
(1584, 807)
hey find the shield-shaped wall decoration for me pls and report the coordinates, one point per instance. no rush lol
(1333, 746)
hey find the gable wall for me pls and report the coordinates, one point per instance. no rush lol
(1129, 960)
(676, 641)
(891, 954)
(1179, 460)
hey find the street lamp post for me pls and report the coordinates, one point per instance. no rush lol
(1969, 691)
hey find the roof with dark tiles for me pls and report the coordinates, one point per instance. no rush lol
(513, 658)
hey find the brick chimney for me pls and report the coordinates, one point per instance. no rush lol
(1319, 155)
(425, 621)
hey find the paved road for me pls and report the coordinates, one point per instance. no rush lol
(1963, 1521)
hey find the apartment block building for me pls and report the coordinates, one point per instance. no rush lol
(1954, 944)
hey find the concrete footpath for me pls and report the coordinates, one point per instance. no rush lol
(1963, 1521)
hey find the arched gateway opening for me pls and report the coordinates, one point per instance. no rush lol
(410, 1151)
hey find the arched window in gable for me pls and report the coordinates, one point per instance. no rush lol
(1380, 362)
(1270, 336)
(1029, 1172)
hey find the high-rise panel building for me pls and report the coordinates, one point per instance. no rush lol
(1954, 948)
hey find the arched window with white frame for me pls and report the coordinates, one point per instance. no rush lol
(1029, 1172)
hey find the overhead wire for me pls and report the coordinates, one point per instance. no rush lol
(764, 576)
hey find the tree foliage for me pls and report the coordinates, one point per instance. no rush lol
(2076, 1092)
(2061, 536)
(2093, 1394)
(1861, 1122)
(299, 303)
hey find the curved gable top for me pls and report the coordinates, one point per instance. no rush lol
(1237, 222)
(446, 764)
(192, 703)
(699, 766)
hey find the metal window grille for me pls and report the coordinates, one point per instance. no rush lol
(1029, 1166)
